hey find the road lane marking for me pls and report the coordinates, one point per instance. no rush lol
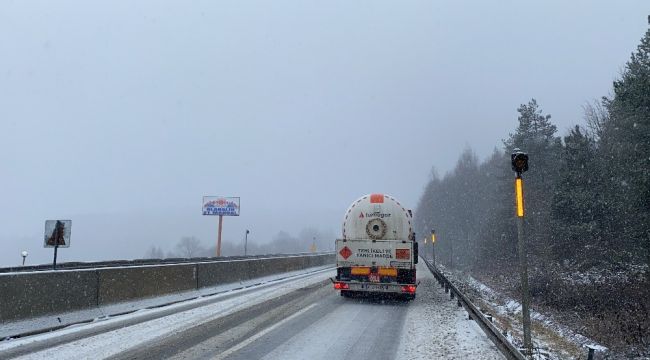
(251, 339)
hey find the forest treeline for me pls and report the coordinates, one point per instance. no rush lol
(587, 200)
(308, 239)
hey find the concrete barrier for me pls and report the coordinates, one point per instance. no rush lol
(35, 294)
(29, 295)
(123, 284)
(216, 273)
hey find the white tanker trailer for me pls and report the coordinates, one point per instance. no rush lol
(377, 252)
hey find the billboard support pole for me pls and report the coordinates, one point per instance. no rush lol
(219, 235)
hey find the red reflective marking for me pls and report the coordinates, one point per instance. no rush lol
(345, 252)
(402, 254)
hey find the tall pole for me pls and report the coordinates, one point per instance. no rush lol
(523, 263)
(219, 235)
(246, 242)
(519, 162)
(451, 254)
(433, 246)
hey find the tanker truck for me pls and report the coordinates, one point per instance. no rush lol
(377, 252)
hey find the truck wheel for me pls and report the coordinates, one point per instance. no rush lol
(409, 297)
(346, 293)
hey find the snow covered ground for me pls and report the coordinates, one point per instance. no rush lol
(110, 343)
(551, 340)
(9, 329)
(300, 317)
(436, 328)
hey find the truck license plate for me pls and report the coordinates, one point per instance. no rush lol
(374, 287)
(373, 278)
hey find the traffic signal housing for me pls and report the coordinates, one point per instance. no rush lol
(519, 160)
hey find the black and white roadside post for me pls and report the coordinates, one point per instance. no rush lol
(57, 234)
(24, 255)
(519, 160)
(246, 241)
(433, 246)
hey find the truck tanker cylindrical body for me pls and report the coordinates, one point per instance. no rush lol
(377, 252)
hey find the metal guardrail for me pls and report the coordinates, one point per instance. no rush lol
(505, 346)
(140, 262)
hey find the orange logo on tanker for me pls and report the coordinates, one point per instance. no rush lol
(345, 252)
(377, 198)
(403, 254)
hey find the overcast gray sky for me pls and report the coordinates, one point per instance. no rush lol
(121, 115)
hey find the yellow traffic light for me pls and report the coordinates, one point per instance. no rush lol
(519, 191)
(433, 238)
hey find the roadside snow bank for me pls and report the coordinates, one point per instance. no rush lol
(436, 328)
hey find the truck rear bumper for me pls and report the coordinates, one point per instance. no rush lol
(375, 287)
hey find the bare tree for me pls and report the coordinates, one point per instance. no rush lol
(596, 115)
(190, 246)
(155, 252)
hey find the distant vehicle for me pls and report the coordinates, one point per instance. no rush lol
(377, 252)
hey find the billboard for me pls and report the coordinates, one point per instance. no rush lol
(57, 233)
(222, 206)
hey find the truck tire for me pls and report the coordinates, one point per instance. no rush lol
(408, 297)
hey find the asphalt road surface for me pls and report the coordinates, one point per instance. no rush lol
(304, 319)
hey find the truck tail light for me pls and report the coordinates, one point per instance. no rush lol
(409, 288)
(341, 286)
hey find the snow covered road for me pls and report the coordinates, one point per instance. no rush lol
(301, 319)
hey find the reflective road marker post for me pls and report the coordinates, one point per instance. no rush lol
(519, 161)
(433, 246)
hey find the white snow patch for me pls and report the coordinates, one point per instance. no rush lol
(436, 328)
(110, 343)
(98, 313)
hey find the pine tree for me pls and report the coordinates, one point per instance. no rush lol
(625, 153)
(577, 207)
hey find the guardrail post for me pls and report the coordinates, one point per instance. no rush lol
(590, 355)
(446, 288)
(451, 295)
(458, 303)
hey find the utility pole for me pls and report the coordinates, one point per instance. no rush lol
(519, 161)
(246, 241)
(451, 253)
